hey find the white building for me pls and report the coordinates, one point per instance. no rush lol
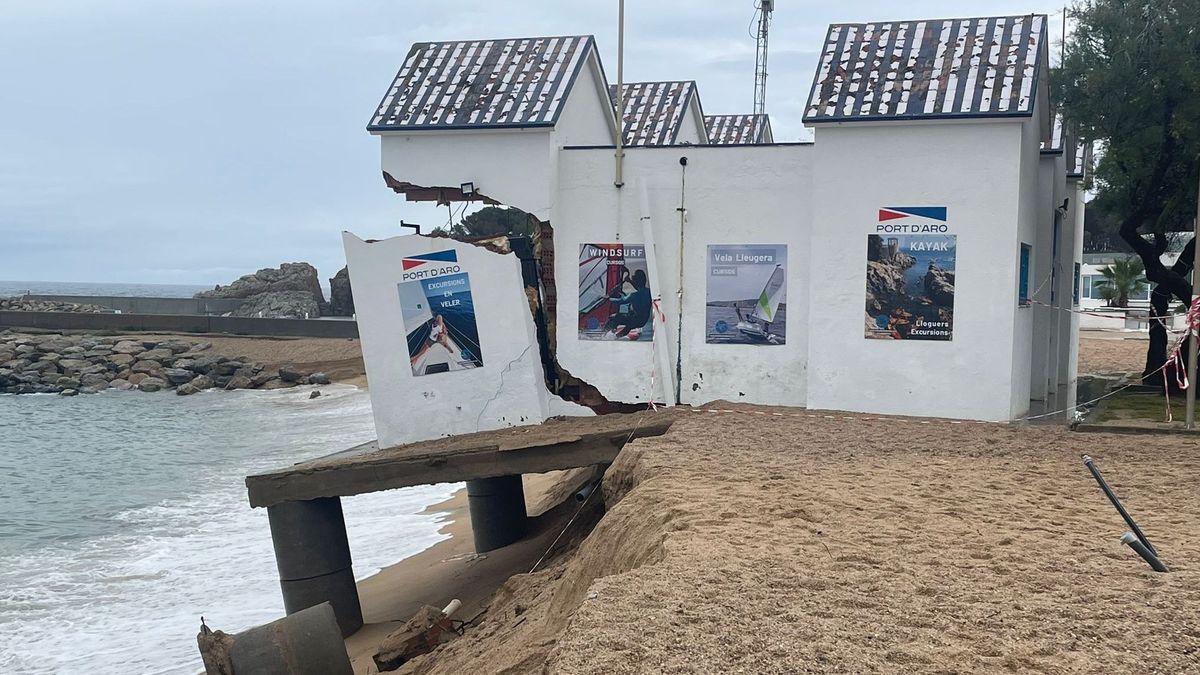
(927, 244)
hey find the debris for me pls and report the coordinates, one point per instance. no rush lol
(429, 628)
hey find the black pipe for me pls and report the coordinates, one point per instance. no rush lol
(1137, 545)
(1112, 497)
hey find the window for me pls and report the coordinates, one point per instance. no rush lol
(1023, 295)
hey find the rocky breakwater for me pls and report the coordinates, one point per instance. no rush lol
(290, 291)
(70, 365)
(17, 304)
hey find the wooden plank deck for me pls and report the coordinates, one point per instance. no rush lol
(554, 445)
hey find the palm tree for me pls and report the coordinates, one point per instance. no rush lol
(1122, 278)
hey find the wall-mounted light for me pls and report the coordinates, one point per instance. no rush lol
(468, 189)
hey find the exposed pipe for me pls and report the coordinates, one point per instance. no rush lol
(586, 491)
(453, 607)
(1112, 497)
(662, 358)
(1136, 544)
(619, 179)
(683, 161)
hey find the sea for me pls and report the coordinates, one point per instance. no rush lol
(124, 517)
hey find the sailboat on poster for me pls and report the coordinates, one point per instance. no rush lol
(757, 326)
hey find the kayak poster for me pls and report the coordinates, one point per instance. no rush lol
(614, 293)
(910, 286)
(747, 295)
(439, 314)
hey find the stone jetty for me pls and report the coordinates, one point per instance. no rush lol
(82, 364)
(19, 304)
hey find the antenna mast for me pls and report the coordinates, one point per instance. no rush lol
(765, 8)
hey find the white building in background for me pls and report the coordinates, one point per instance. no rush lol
(929, 240)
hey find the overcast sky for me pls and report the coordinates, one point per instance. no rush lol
(193, 141)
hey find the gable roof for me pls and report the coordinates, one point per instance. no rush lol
(738, 129)
(654, 111)
(981, 67)
(519, 82)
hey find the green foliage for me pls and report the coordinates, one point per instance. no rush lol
(1131, 80)
(490, 221)
(1123, 278)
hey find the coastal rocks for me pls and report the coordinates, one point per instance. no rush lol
(18, 304)
(341, 297)
(290, 291)
(939, 286)
(52, 364)
(281, 305)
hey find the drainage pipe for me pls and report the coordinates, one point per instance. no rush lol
(1136, 544)
(1112, 497)
(661, 345)
(586, 491)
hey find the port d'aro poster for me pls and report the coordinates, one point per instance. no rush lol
(614, 293)
(910, 275)
(747, 295)
(439, 315)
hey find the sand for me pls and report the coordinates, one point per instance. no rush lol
(1104, 352)
(823, 542)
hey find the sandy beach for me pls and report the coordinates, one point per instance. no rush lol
(778, 540)
(1111, 352)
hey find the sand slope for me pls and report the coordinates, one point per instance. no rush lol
(816, 542)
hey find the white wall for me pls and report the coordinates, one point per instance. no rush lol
(512, 166)
(973, 169)
(733, 195)
(509, 389)
(1033, 132)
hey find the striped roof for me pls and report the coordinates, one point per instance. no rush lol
(1057, 135)
(483, 83)
(738, 129)
(939, 68)
(654, 111)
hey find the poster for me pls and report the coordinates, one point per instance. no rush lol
(910, 286)
(439, 314)
(614, 293)
(747, 295)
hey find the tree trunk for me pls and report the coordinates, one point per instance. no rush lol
(1160, 307)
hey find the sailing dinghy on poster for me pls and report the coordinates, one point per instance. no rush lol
(757, 326)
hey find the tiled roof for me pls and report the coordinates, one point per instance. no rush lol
(654, 111)
(738, 129)
(483, 83)
(936, 68)
(1081, 161)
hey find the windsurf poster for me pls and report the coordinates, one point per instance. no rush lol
(747, 294)
(910, 277)
(439, 314)
(615, 303)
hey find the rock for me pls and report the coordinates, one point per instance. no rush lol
(281, 305)
(147, 367)
(137, 378)
(121, 360)
(22, 305)
(157, 354)
(52, 357)
(68, 382)
(228, 367)
(98, 352)
(56, 344)
(178, 375)
(277, 384)
(186, 389)
(175, 346)
(287, 277)
(151, 384)
(205, 364)
(289, 374)
(262, 378)
(42, 367)
(315, 394)
(94, 381)
(68, 392)
(128, 347)
(121, 385)
(341, 297)
(939, 285)
(202, 382)
(238, 382)
(186, 364)
(318, 378)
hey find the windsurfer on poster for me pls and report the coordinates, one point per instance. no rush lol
(757, 326)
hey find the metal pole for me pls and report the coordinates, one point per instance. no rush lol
(619, 179)
(1135, 544)
(1193, 341)
(1112, 497)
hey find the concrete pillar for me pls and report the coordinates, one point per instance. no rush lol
(498, 515)
(313, 557)
(305, 643)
